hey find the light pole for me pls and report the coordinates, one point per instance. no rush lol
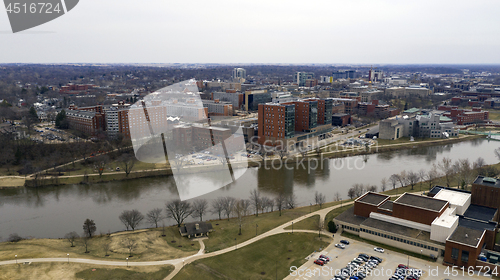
(127, 261)
(16, 259)
(292, 227)
(256, 226)
(68, 257)
(421, 254)
(310, 207)
(182, 263)
(236, 241)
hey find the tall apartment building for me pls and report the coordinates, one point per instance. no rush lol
(306, 114)
(239, 73)
(344, 74)
(276, 122)
(116, 117)
(301, 78)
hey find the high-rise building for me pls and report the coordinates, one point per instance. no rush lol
(239, 73)
(276, 123)
(301, 78)
(116, 117)
(255, 97)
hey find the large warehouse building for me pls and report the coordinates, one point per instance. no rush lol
(448, 223)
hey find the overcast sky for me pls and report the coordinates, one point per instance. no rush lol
(262, 31)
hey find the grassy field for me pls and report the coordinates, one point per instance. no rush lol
(226, 231)
(387, 247)
(265, 259)
(494, 115)
(150, 246)
(309, 223)
(74, 271)
(334, 213)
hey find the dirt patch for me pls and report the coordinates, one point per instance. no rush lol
(11, 182)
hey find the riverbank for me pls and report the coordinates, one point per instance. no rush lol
(42, 181)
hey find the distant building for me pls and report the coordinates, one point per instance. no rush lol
(255, 97)
(89, 120)
(239, 73)
(301, 78)
(117, 120)
(236, 98)
(375, 75)
(390, 129)
(218, 108)
(341, 119)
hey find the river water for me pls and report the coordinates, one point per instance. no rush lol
(54, 211)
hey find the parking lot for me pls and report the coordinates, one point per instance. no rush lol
(339, 258)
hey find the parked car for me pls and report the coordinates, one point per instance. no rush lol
(378, 249)
(319, 262)
(344, 242)
(341, 246)
(325, 257)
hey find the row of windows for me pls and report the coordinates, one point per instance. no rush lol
(454, 255)
(399, 239)
(350, 228)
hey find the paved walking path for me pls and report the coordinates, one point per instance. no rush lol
(180, 262)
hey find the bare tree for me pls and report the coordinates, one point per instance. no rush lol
(71, 237)
(218, 206)
(383, 184)
(402, 178)
(100, 164)
(320, 199)
(412, 178)
(446, 167)
(479, 163)
(280, 201)
(127, 161)
(466, 173)
(372, 188)
(131, 218)
(320, 226)
(86, 242)
(266, 203)
(351, 193)
(131, 245)
(497, 153)
(359, 190)
(240, 209)
(89, 228)
(291, 201)
(153, 217)
(178, 210)
(227, 205)
(200, 207)
(337, 197)
(256, 200)
(106, 246)
(394, 180)
(431, 177)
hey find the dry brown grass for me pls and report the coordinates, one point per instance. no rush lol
(61, 271)
(150, 246)
(11, 182)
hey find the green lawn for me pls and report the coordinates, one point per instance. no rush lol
(494, 115)
(226, 231)
(123, 274)
(334, 213)
(265, 259)
(309, 223)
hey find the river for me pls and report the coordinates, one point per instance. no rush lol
(51, 212)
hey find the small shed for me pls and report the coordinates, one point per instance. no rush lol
(197, 229)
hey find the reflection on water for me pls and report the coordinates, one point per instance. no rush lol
(54, 211)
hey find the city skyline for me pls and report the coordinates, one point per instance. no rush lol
(226, 32)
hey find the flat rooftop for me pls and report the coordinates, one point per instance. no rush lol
(454, 197)
(349, 217)
(480, 213)
(447, 219)
(399, 230)
(373, 198)
(468, 236)
(487, 181)
(475, 224)
(387, 205)
(423, 202)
